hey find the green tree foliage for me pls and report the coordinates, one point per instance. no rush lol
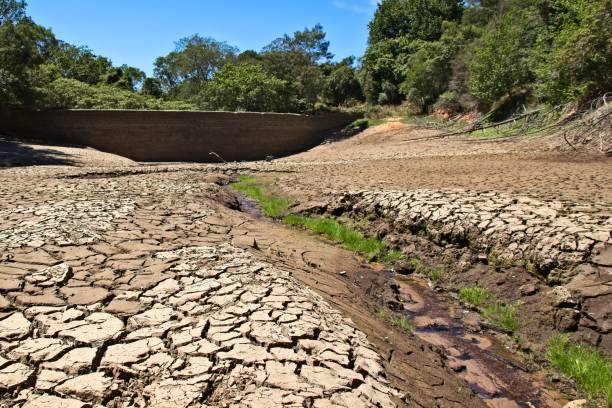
(575, 53)
(124, 77)
(79, 63)
(12, 11)
(194, 61)
(152, 87)
(483, 53)
(24, 47)
(414, 19)
(341, 84)
(244, 87)
(502, 63)
(73, 94)
(308, 42)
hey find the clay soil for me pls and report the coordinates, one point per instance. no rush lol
(447, 356)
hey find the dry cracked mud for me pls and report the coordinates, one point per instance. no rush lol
(142, 285)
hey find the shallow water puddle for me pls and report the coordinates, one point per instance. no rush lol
(480, 360)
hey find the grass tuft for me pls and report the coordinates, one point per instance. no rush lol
(271, 206)
(503, 315)
(435, 275)
(591, 370)
(474, 296)
(403, 324)
(350, 238)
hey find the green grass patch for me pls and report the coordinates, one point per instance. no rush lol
(403, 324)
(352, 239)
(435, 275)
(503, 315)
(271, 206)
(591, 370)
(474, 296)
(416, 264)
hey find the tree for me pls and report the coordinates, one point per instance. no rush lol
(152, 87)
(341, 83)
(502, 64)
(415, 19)
(309, 42)
(24, 47)
(194, 60)
(12, 11)
(124, 77)
(575, 53)
(426, 72)
(79, 63)
(244, 87)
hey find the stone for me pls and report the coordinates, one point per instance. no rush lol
(51, 401)
(246, 353)
(14, 375)
(40, 349)
(75, 361)
(50, 276)
(88, 386)
(95, 328)
(124, 307)
(84, 295)
(126, 353)
(14, 326)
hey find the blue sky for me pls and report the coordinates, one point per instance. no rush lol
(135, 32)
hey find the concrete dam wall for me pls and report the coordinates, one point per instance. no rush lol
(176, 136)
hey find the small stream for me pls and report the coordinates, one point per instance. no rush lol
(491, 370)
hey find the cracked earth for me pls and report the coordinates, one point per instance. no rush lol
(142, 285)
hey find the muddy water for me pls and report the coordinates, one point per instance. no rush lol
(490, 370)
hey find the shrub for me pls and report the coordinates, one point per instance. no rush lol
(475, 296)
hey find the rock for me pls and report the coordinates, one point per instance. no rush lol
(576, 403)
(95, 328)
(126, 353)
(88, 386)
(124, 307)
(14, 326)
(84, 295)
(528, 289)
(51, 401)
(40, 349)
(14, 375)
(74, 361)
(53, 275)
(246, 353)
(562, 297)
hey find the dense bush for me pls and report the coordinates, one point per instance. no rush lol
(72, 94)
(244, 87)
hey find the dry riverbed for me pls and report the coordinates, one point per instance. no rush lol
(123, 284)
